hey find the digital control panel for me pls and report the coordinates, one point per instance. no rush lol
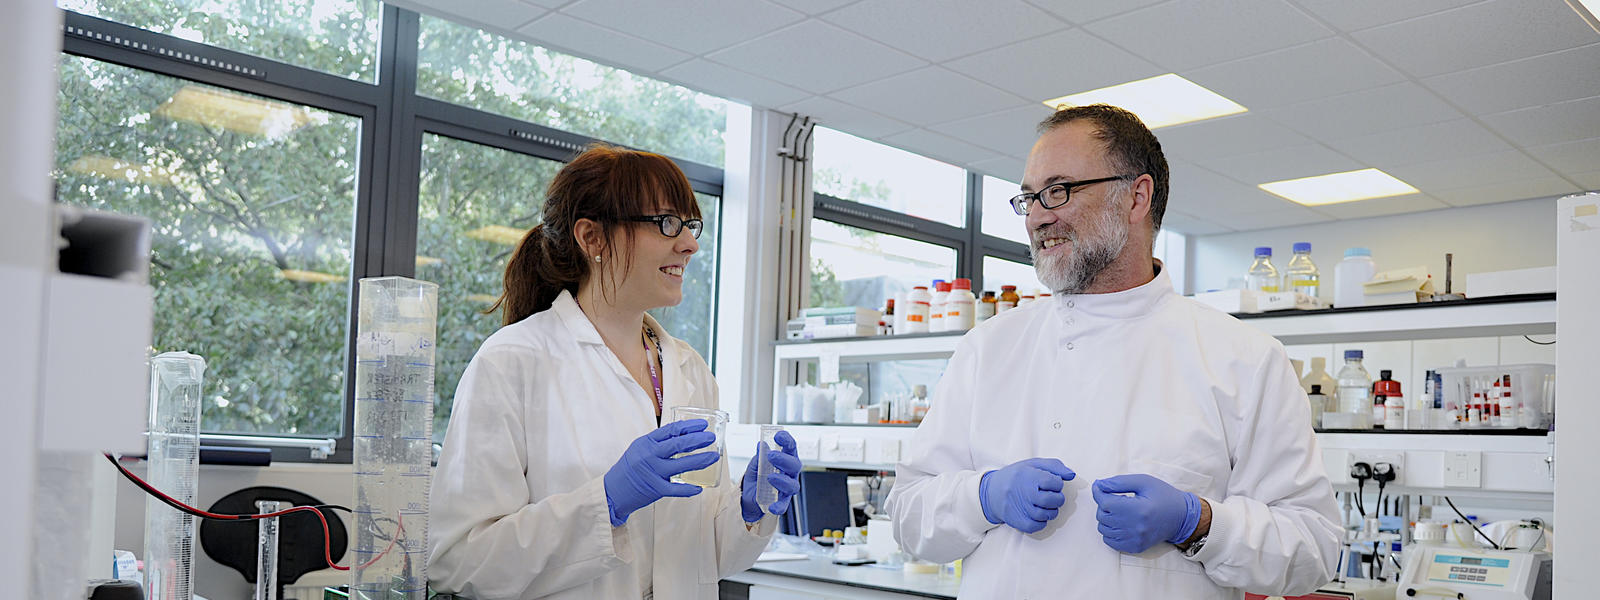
(1462, 568)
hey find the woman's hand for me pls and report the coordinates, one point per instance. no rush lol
(785, 478)
(642, 475)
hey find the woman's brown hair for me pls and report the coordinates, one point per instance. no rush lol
(604, 184)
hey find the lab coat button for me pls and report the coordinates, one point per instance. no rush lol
(1057, 425)
(1070, 304)
(1069, 345)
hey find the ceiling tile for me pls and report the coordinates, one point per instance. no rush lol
(1306, 72)
(1556, 77)
(1185, 34)
(1202, 192)
(695, 27)
(817, 57)
(928, 96)
(1012, 132)
(1411, 145)
(1365, 112)
(1477, 35)
(1227, 136)
(1355, 15)
(1549, 124)
(1570, 158)
(814, 7)
(1040, 69)
(603, 45)
(844, 117)
(733, 84)
(1543, 187)
(941, 147)
(1589, 181)
(1179, 222)
(1287, 216)
(1008, 168)
(495, 14)
(1479, 170)
(939, 30)
(1379, 207)
(1088, 11)
(1293, 162)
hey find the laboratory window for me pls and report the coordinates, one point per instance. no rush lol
(333, 36)
(252, 202)
(999, 219)
(999, 271)
(475, 203)
(465, 65)
(851, 266)
(851, 168)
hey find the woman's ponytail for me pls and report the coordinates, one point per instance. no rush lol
(537, 272)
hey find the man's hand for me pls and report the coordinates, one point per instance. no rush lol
(1025, 494)
(1139, 511)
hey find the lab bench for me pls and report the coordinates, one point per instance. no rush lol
(817, 578)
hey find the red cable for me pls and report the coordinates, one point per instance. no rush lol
(327, 536)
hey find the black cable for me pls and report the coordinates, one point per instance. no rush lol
(1360, 485)
(1549, 343)
(181, 507)
(1469, 522)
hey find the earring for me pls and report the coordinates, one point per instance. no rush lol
(597, 258)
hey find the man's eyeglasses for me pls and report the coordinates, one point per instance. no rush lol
(672, 225)
(1056, 194)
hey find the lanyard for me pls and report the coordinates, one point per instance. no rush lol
(655, 377)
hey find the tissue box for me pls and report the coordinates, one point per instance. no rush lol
(1230, 301)
(1400, 286)
(865, 415)
(1505, 283)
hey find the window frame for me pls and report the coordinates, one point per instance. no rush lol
(969, 242)
(394, 119)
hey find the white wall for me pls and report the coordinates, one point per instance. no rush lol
(1494, 237)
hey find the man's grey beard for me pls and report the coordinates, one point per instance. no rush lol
(1092, 251)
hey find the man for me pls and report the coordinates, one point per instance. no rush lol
(1118, 440)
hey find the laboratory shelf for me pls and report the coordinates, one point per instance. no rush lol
(1466, 432)
(882, 347)
(1522, 314)
(906, 425)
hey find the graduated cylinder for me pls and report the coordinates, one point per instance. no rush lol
(395, 336)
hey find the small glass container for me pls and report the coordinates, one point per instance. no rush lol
(716, 423)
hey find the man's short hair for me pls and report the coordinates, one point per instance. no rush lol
(1130, 147)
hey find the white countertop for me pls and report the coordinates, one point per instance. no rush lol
(821, 569)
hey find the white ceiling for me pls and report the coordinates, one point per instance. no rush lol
(1471, 101)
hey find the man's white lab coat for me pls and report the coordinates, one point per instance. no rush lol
(1139, 381)
(518, 503)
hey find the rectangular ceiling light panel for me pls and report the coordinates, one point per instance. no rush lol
(1159, 101)
(1334, 188)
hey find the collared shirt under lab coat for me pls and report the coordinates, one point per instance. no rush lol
(1139, 381)
(518, 503)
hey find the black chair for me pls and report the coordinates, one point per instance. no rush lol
(233, 543)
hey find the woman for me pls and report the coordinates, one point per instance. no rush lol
(554, 481)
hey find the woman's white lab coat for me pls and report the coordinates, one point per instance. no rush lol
(518, 509)
(1140, 381)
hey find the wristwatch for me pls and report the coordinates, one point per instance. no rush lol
(1194, 548)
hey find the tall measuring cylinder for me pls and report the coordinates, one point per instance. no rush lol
(395, 336)
(173, 451)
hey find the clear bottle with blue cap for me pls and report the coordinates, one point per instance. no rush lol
(1263, 277)
(1301, 274)
(1355, 385)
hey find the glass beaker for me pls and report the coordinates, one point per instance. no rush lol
(766, 495)
(716, 422)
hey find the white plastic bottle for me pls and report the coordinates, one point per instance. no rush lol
(1355, 385)
(1263, 277)
(941, 292)
(1356, 269)
(1394, 412)
(917, 310)
(1301, 274)
(960, 307)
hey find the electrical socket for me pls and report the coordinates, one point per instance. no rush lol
(1373, 457)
